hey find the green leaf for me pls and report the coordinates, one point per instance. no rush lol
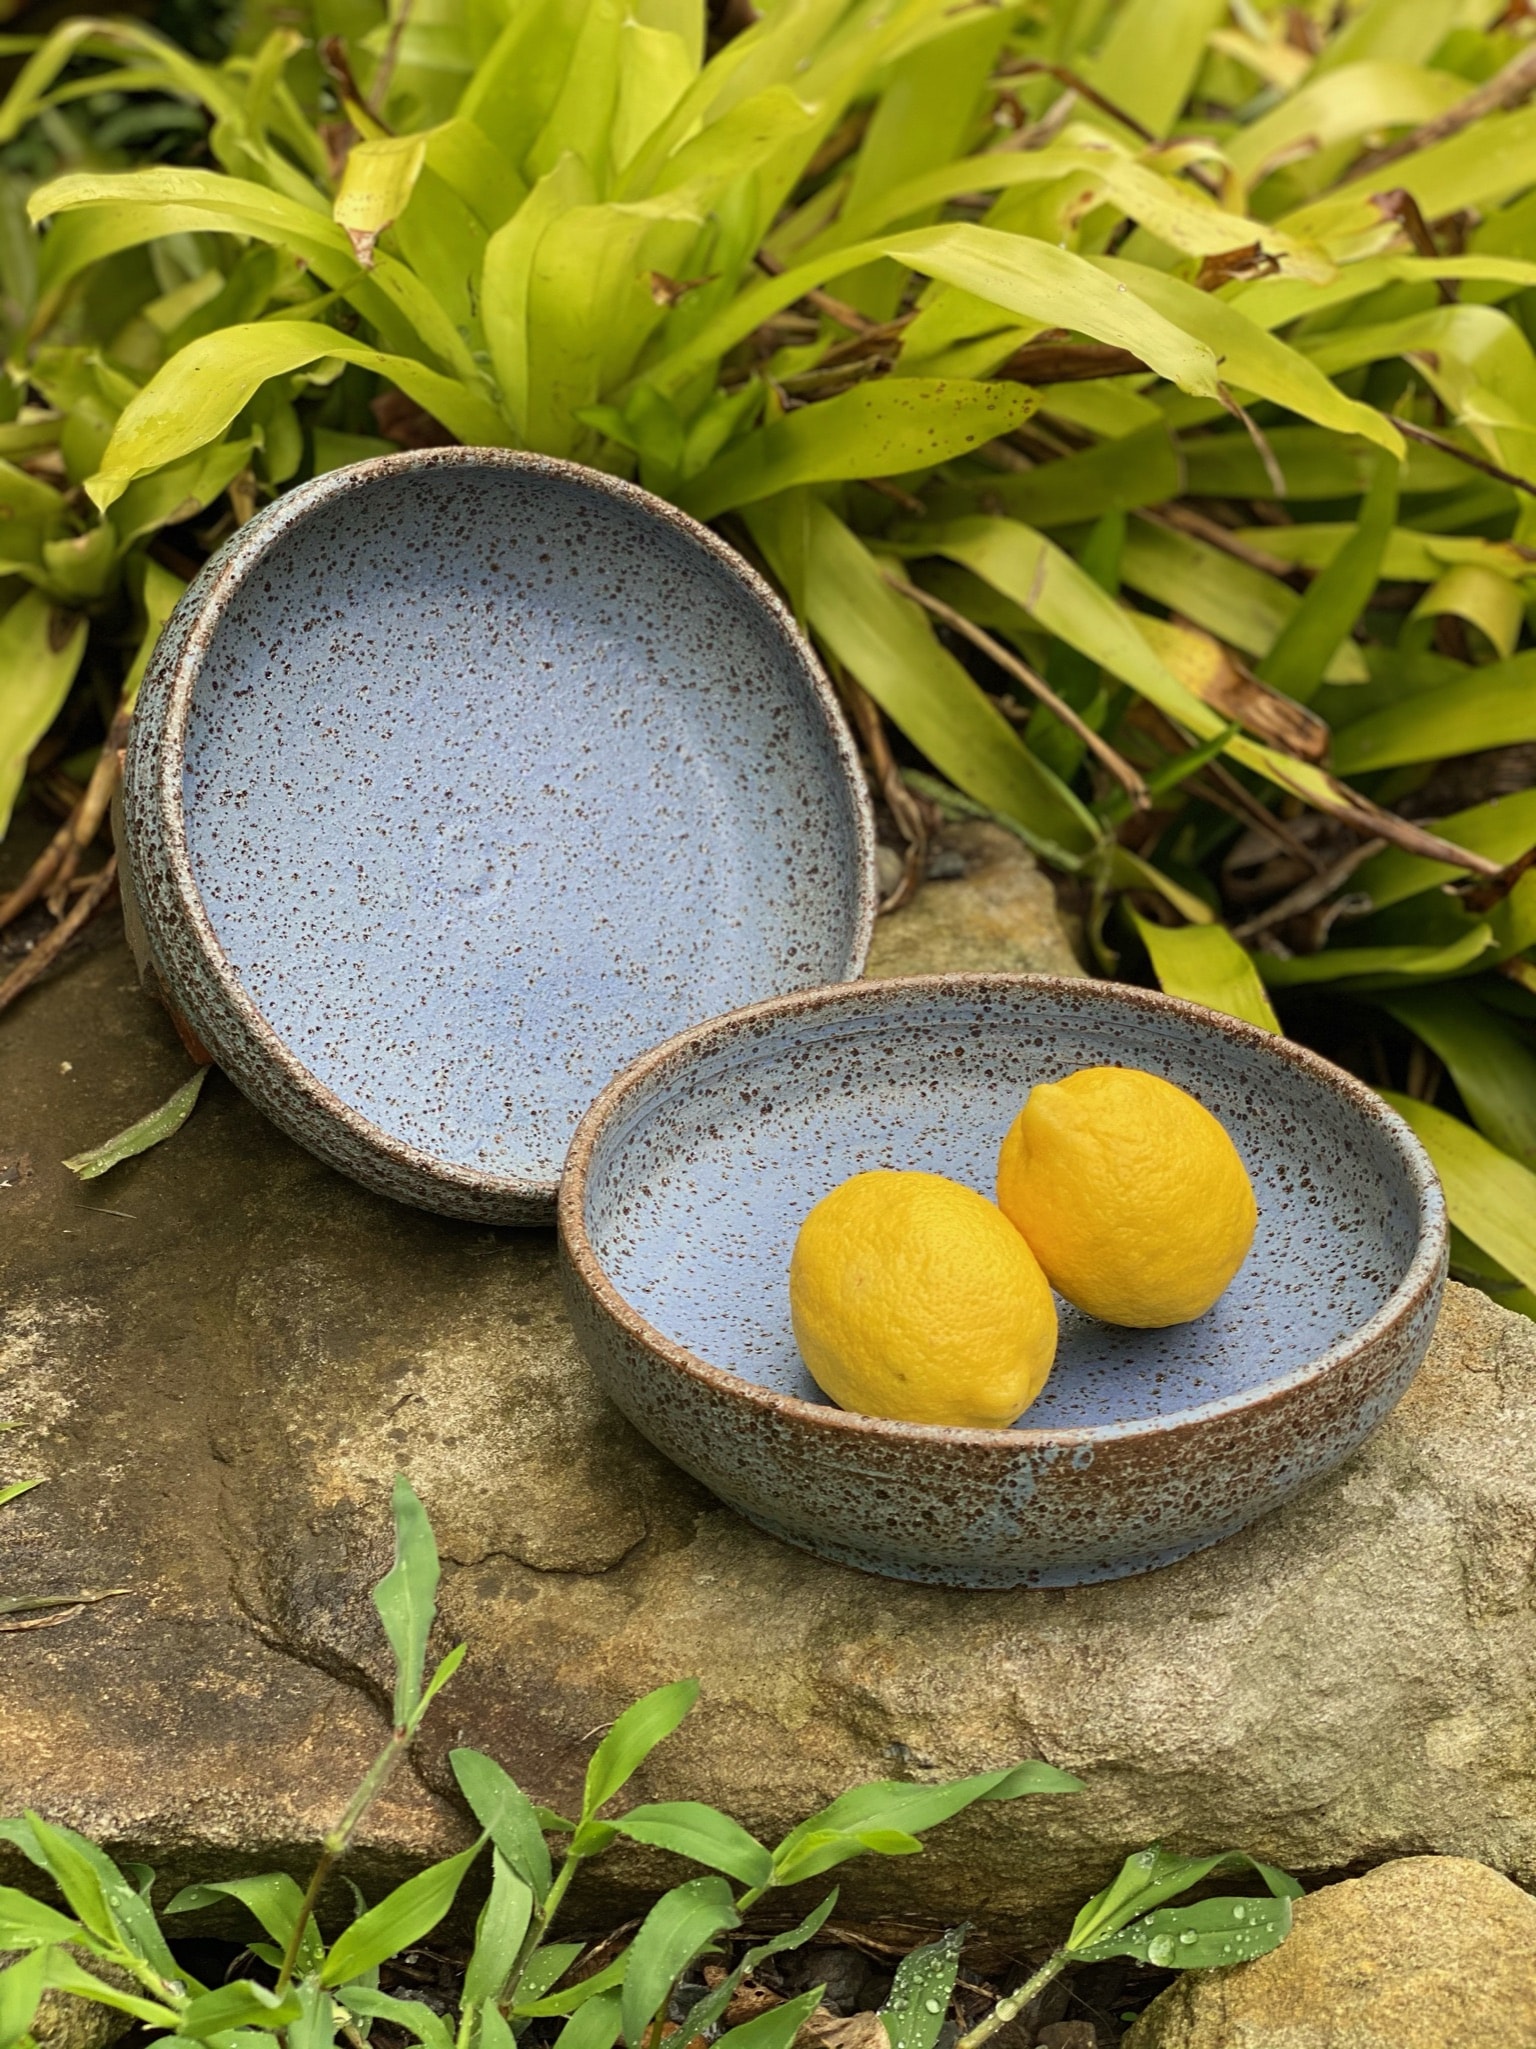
(1252, 360)
(1338, 105)
(506, 1814)
(1113, 476)
(65, 1975)
(590, 306)
(77, 1878)
(494, 2030)
(376, 187)
(920, 1993)
(175, 494)
(26, 1923)
(407, 1914)
(507, 274)
(40, 651)
(499, 1933)
(534, 2002)
(1503, 829)
(1205, 964)
(1015, 272)
(546, 1967)
(1300, 657)
(275, 1901)
(242, 2004)
(1053, 590)
(1239, 603)
(1491, 1061)
(875, 430)
(137, 1929)
(705, 2013)
(21, 1990)
(1487, 1194)
(138, 1138)
(143, 205)
(1490, 707)
(888, 645)
(13, 1492)
(1491, 602)
(631, 1740)
(682, 1923)
(777, 2028)
(1211, 1935)
(1118, 868)
(406, 1597)
(596, 2025)
(193, 399)
(162, 590)
(410, 2015)
(909, 1809)
(315, 2027)
(1152, 54)
(1149, 1877)
(693, 1830)
(1378, 967)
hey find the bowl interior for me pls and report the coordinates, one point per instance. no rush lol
(495, 777)
(703, 1171)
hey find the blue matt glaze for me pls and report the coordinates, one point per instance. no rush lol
(706, 1259)
(493, 772)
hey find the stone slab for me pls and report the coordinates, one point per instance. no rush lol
(221, 1352)
(1422, 1953)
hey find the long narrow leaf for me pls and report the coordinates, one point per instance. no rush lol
(876, 430)
(408, 1913)
(1487, 1194)
(1299, 659)
(1205, 964)
(149, 1131)
(406, 1597)
(195, 397)
(888, 645)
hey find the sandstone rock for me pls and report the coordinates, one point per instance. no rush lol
(1000, 918)
(221, 1352)
(1424, 1953)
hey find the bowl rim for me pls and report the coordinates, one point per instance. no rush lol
(1424, 1273)
(179, 660)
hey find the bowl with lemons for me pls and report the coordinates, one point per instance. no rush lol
(994, 1280)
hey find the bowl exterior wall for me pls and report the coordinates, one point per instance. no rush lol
(1052, 1513)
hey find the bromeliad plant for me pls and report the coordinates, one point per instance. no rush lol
(1172, 370)
(519, 1975)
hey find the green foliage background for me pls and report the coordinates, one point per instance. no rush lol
(1135, 399)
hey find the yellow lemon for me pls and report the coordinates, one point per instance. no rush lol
(915, 1298)
(1130, 1193)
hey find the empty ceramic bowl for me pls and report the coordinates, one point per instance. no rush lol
(691, 1174)
(458, 779)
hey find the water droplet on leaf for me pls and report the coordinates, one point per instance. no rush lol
(1161, 1950)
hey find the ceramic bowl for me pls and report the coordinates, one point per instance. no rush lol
(458, 779)
(690, 1175)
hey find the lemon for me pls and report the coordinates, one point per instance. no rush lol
(916, 1299)
(1130, 1193)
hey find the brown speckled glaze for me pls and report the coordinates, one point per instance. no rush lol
(690, 1174)
(459, 778)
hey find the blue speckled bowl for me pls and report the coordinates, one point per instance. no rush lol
(690, 1175)
(458, 779)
